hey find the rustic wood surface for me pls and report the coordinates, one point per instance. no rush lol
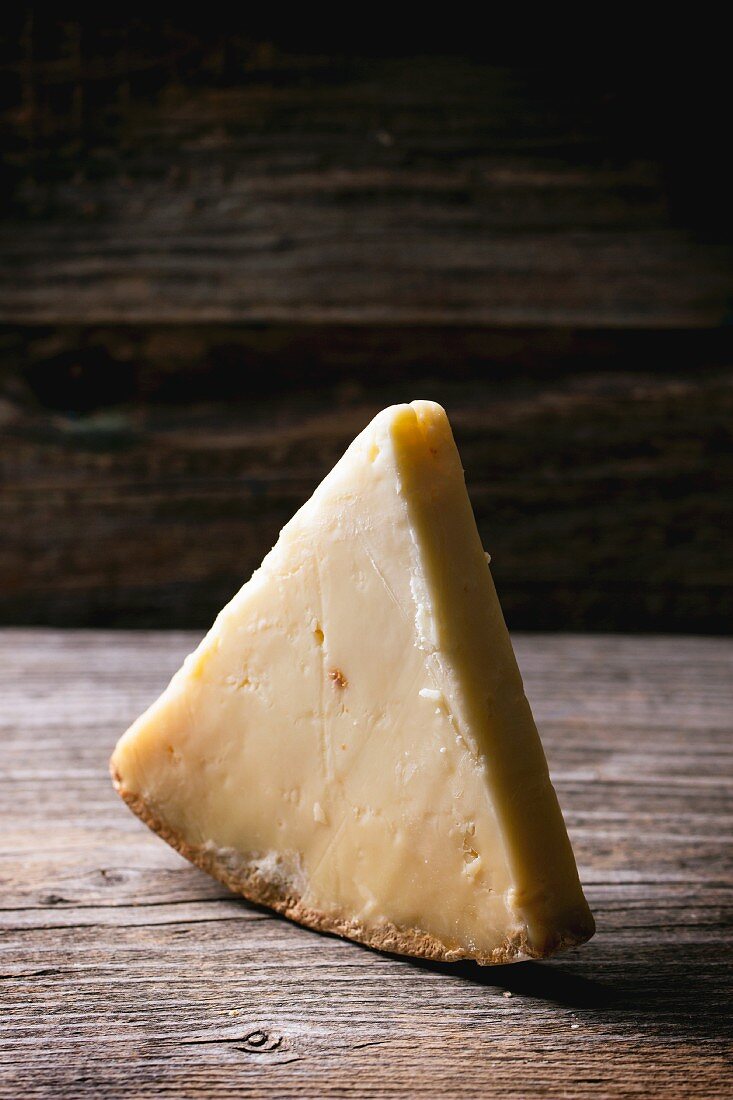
(126, 972)
(181, 170)
(145, 473)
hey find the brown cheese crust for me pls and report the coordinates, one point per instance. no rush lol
(244, 876)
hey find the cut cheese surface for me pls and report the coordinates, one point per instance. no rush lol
(351, 743)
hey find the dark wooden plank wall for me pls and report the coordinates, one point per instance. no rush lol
(186, 173)
(603, 495)
(223, 251)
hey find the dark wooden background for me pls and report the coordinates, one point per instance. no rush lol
(223, 249)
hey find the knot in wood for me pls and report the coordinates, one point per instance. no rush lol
(261, 1042)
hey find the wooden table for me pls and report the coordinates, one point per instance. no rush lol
(127, 972)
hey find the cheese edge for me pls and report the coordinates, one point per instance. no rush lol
(277, 891)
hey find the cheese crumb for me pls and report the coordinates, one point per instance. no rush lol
(430, 693)
(319, 814)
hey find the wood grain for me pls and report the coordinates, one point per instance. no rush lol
(170, 172)
(144, 473)
(126, 972)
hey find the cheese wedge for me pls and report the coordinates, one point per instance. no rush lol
(351, 744)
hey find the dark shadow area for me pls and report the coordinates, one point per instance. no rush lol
(541, 981)
(659, 995)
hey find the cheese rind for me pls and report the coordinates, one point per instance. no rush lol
(351, 743)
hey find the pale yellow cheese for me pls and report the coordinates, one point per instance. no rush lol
(352, 739)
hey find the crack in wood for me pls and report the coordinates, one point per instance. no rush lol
(255, 1042)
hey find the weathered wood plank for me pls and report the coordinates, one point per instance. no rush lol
(124, 971)
(178, 173)
(145, 473)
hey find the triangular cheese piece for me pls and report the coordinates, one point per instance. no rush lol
(351, 744)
